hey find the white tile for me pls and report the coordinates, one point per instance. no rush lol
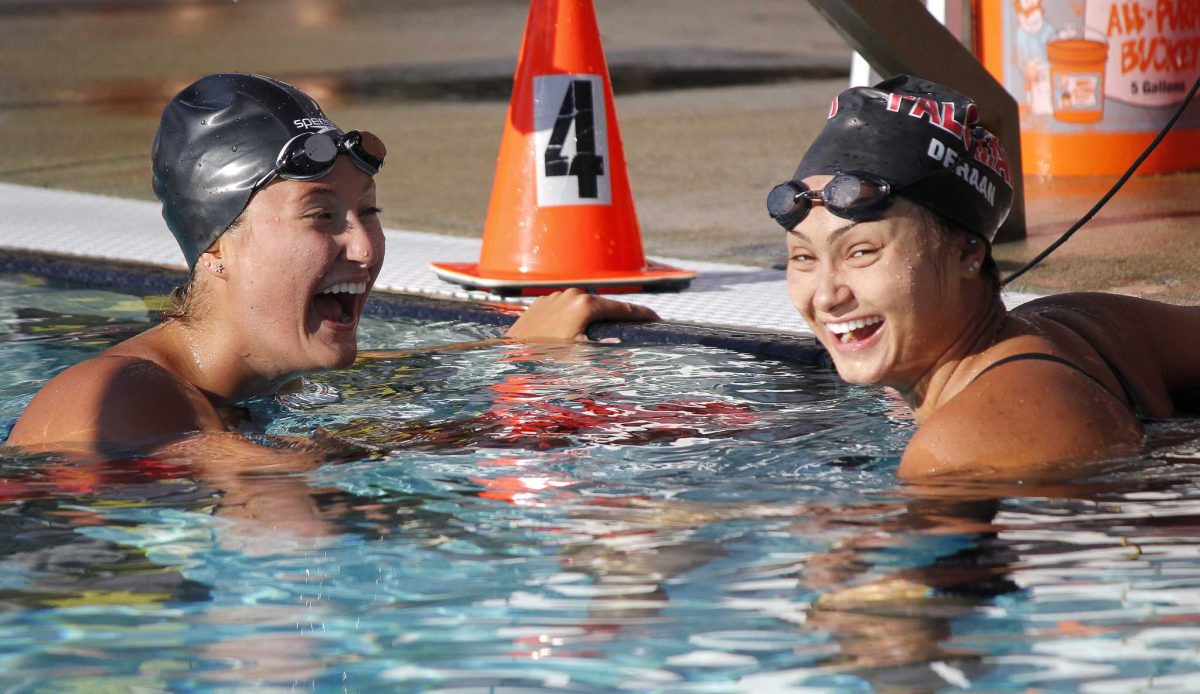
(80, 224)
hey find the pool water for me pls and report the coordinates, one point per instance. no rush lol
(584, 518)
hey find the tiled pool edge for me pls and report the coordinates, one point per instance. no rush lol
(132, 232)
(124, 243)
(158, 280)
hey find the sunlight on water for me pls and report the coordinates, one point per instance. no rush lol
(580, 518)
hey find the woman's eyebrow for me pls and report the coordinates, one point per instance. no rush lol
(315, 188)
(316, 193)
(833, 236)
(841, 231)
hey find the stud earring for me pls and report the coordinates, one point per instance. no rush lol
(973, 268)
(220, 269)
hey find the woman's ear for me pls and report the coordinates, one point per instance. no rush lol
(212, 261)
(974, 252)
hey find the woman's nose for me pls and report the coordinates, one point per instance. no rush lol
(364, 243)
(832, 293)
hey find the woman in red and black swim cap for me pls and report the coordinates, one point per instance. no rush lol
(890, 218)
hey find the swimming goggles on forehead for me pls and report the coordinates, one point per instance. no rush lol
(310, 156)
(851, 195)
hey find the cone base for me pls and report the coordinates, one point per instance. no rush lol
(655, 277)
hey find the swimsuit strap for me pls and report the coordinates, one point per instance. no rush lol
(1129, 398)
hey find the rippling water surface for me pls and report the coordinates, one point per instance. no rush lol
(582, 518)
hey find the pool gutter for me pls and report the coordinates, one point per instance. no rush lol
(120, 243)
(146, 279)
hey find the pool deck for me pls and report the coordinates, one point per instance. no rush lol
(714, 107)
(100, 228)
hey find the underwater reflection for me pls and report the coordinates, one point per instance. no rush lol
(538, 406)
(586, 518)
(887, 597)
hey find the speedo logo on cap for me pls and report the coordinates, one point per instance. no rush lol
(318, 123)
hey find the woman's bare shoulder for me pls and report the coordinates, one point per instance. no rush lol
(110, 401)
(1020, 423)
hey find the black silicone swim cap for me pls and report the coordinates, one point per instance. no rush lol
(924, 139)
(218, 137)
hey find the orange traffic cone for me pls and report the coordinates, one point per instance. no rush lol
(561, 212)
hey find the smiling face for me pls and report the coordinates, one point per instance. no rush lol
(885, 297)
(298, 271)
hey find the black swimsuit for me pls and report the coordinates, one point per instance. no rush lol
(1129, 395)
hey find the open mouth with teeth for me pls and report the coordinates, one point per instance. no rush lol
(854, 331)
(339, 303)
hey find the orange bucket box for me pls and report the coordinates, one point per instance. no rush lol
(1095, 80)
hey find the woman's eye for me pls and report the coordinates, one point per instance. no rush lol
(370, 212)
(861, 252)
(801, 258)
(319, 214)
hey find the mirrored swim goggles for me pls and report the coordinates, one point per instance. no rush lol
(310, 156)
(851, 195)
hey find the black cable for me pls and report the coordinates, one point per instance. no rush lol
(1111, 191)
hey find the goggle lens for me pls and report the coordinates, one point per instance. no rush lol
(366, 148)
(307, 157)
(846, 194)
(310, 156)
(786, 200)
(854, 196)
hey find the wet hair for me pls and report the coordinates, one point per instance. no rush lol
(185, 304)
(182, 302)
(940, 230)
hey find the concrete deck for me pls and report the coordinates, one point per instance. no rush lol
(716, 102)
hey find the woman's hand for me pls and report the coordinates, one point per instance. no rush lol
(564, 316)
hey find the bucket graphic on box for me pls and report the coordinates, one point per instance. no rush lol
(1095, 80)
(1077, 78)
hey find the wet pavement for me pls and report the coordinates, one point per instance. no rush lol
(716, 101)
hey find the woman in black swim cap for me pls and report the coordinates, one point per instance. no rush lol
(274, 208)
(891, 215)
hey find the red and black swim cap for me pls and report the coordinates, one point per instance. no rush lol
(925, 140)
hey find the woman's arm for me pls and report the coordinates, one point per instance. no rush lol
(1147, 338)
(565, 316)
(1173, 333)
(112, 404)
(559, 317)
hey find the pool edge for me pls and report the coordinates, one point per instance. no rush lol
(386, 304)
